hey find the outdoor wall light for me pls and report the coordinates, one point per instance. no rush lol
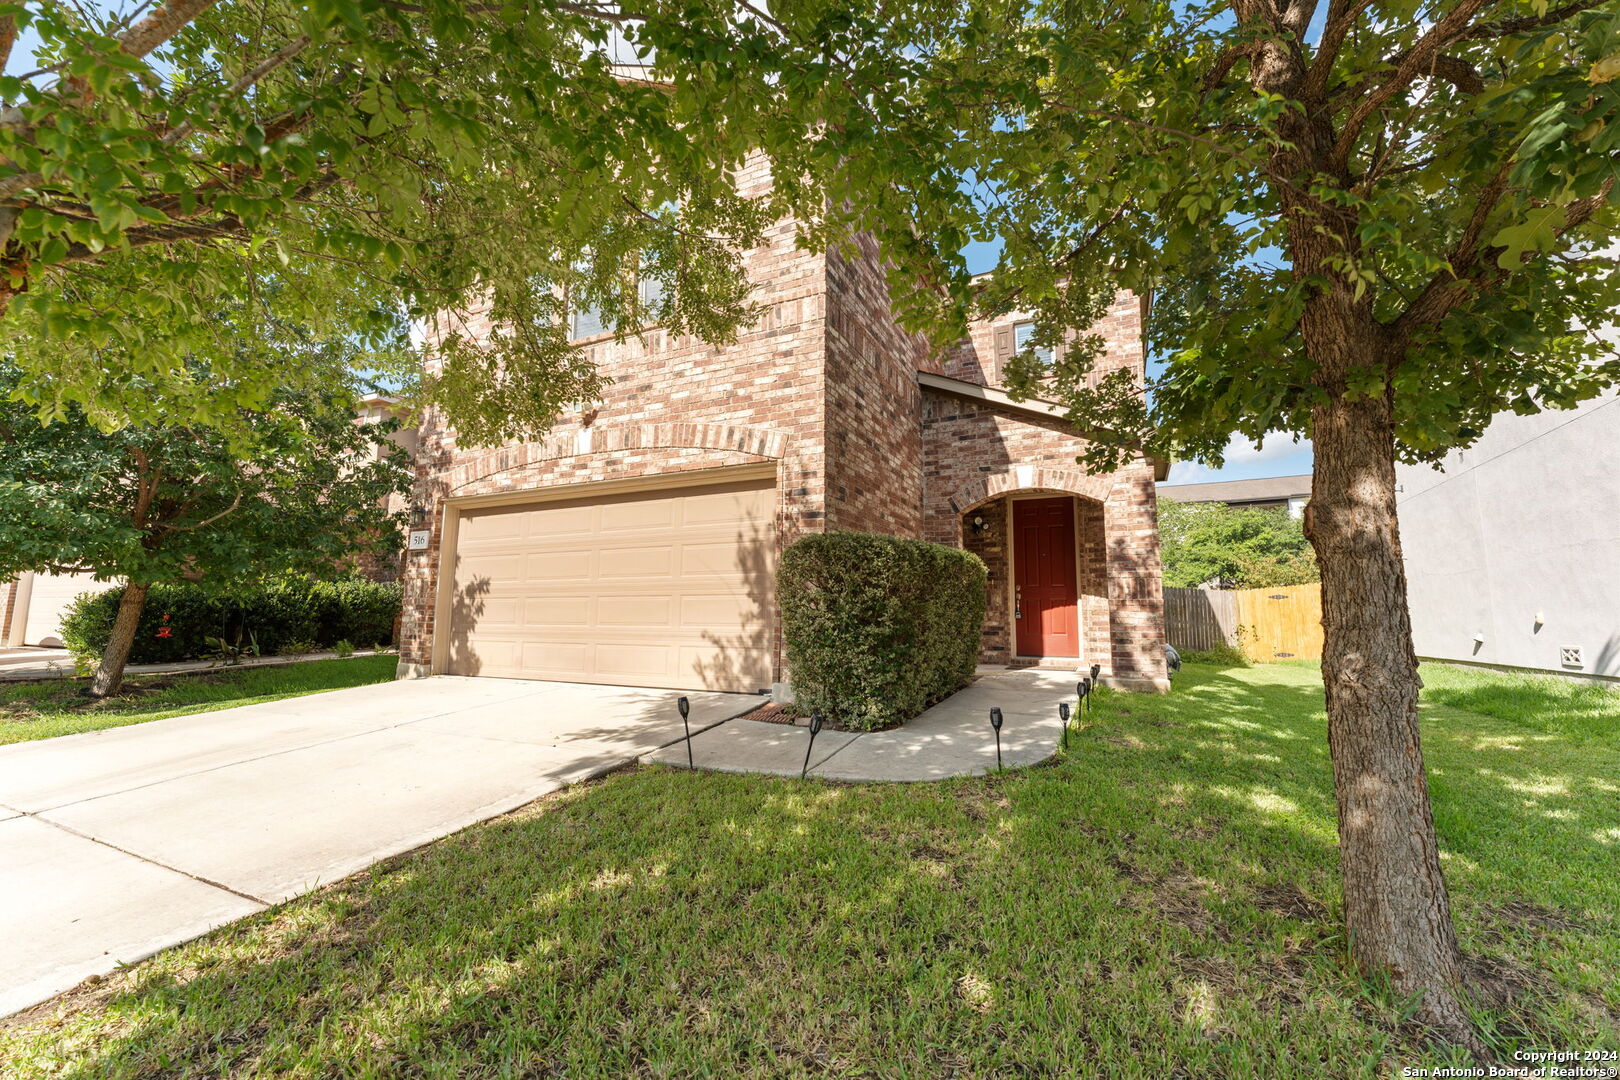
(419, 516)
(978, 525)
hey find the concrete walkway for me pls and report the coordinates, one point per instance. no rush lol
(954, 738)
(38, 662)
(115, 844)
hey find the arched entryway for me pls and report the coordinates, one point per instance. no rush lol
(1046, 553)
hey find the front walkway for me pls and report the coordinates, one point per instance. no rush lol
(115, 844)
(954, 738)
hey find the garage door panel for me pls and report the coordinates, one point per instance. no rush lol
(650, 613)
(556, 611)
(721, 559)
(635, 515)
(720, 508)
(745, 669)
(654, 589)
(554, 566)
(638, 562)
(703, 611)
(553, 658)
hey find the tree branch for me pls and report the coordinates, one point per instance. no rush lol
(161, 25)
(1479, 273)
(243, 84)
(1507, 27)
(1341, 18)
(1418, 59)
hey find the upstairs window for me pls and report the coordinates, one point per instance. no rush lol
(585, 322)
(1023, 333)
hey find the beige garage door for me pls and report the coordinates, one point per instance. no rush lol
(48, 601)
(667, 588)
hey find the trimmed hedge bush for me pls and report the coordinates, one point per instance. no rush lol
(276, 612)
(878, 628)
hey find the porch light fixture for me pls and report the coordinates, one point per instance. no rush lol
(978, 525)
(419, 516)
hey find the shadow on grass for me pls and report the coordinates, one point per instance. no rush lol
(1162, 901)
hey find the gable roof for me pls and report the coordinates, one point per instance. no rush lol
(1265, 489)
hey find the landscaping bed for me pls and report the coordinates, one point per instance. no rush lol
(48, 707)
(1161, 900)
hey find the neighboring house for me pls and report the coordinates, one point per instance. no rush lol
(1512, 546)
(32, 606)
(1268, 493)
(636, 544)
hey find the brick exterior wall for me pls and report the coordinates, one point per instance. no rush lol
(824, 386)
(874, 455)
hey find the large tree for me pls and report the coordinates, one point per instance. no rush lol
(1374, 223)
(432, 159)
(302, 486)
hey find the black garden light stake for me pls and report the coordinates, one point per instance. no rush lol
(1063, 714)
(995, 723)
(815, 729)
(686, 708)
(1083, 690)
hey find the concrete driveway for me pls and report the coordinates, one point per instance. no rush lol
(115, 844)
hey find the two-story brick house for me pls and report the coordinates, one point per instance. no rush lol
(636, 543)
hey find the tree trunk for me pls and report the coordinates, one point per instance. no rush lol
(1395, 906)
(110, 675)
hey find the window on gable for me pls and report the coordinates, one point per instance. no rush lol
(1023, 333)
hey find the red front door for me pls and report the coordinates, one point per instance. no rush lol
(1044, 580)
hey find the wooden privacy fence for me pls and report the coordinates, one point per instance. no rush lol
(1283, 623)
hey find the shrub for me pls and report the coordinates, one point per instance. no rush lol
(877, 628)
(344, 649)
(1222, 655)
(282, 614)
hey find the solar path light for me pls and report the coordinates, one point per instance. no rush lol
(995, 724)
(815, 729)
(1063, 714)
(686, 708)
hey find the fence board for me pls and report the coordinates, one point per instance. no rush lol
(1281, 624)
(1269, 624)
(1198, 619)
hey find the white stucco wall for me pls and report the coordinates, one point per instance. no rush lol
(1524, 523)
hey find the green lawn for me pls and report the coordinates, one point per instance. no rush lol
(1162, 902)
(49, 707)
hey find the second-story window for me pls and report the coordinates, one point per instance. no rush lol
(588, 321)
(1023, 334)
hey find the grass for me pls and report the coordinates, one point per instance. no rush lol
(50, 707)
(1162, 901)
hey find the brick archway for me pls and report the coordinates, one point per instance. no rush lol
(755, 443)
(1030, 478)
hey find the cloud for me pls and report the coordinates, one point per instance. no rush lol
(1283, 454)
